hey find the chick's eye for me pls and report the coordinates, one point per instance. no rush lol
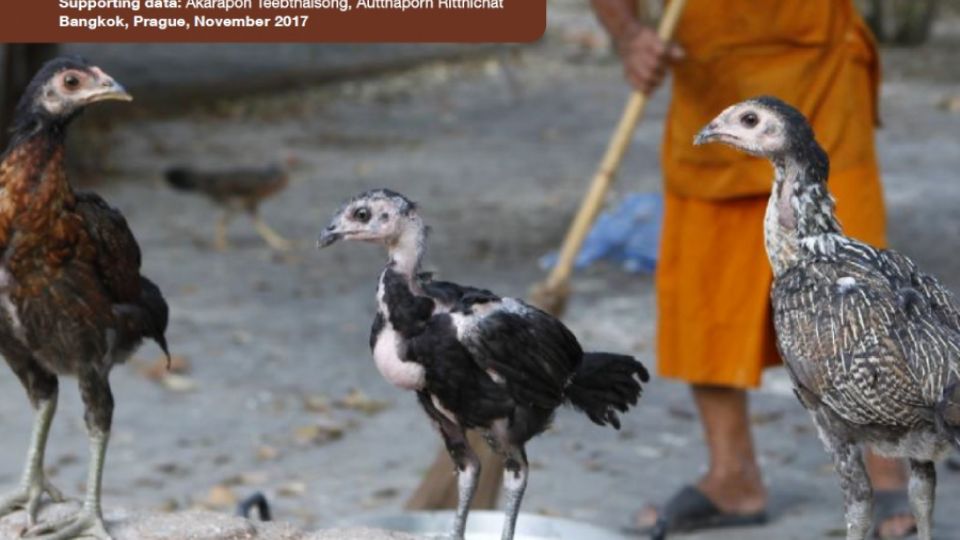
(362, 214)
(749, 120)
(71, 82)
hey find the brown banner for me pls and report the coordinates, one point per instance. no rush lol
(181, 21)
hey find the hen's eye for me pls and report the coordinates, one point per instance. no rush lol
(749, 120)
(71, 82)
(362, 214)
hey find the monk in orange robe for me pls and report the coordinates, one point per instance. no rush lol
(714, 328)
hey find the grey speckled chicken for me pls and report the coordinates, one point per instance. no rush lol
(871, 343)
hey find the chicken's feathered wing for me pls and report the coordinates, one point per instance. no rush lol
(118, 254)
(138, 304)
(867, 335)
(943, 305)
(532, 353)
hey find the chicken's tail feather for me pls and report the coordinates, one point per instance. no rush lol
(158, 314)
(181, 178)
(606, 384)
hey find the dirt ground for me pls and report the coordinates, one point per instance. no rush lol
(281, 395)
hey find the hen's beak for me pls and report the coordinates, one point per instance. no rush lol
(107, 90)
(111, 91)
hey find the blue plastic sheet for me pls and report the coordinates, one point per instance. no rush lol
(627, 235)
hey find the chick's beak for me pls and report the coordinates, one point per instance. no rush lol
(108, 89)
(328, 236)
(708, 134)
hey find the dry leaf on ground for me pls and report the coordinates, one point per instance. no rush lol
(156, 369)
(178, 383)
(220, 496)
(358, 401)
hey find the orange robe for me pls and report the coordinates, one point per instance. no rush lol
(713, 279)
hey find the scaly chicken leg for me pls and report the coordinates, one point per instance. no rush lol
(88, 521)
(220, 242)
(34, 482)
(468, 473)
(271, 237)
(516, 470)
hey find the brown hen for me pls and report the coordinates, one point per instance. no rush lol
(72, 299)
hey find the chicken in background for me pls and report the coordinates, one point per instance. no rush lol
(235, 190)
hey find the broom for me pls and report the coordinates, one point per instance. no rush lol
(551, 295)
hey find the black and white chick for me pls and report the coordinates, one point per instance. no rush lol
(871, 343)
(476, 360)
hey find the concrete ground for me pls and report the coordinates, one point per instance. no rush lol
(125, 524)
(280, 394)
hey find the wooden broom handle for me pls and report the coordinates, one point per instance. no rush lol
(603, 178)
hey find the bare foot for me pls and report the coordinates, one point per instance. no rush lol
(646, 517)
(897, 527)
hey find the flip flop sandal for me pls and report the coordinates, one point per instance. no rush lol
(689, 509)
(889, 504)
